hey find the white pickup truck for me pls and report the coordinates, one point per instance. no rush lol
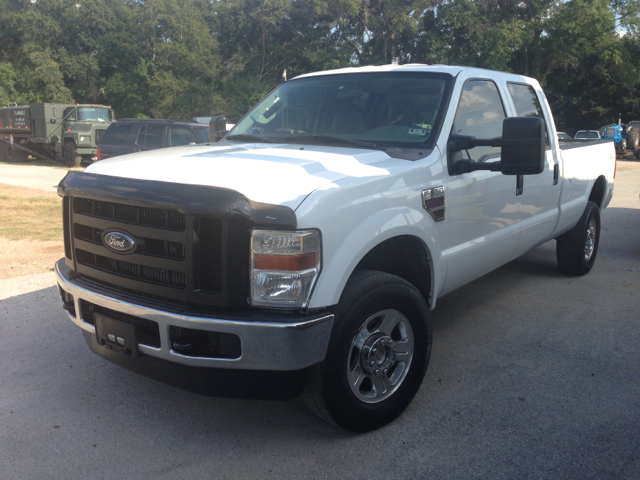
(303, 252)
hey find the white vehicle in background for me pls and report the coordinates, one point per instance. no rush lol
(587, 135)
(304, 251)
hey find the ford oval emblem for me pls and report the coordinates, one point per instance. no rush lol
(119, 242)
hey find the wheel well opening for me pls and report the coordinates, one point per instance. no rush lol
(404, 256)
(597, 192)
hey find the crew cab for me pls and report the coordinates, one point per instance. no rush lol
(304, 251)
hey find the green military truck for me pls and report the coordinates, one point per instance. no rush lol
(70, 132)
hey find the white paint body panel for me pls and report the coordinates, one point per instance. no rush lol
(359, 198)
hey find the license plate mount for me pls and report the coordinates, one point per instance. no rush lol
(116, 335)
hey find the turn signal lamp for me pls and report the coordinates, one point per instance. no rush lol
(284, 267)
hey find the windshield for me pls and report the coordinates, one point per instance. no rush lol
(95, 114)
(364, 109)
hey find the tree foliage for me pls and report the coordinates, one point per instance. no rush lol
(181, 58)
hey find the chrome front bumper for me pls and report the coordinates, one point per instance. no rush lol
(275, 343)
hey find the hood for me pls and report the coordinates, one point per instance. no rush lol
(275, 174)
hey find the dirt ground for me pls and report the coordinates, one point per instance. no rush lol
(24, 257)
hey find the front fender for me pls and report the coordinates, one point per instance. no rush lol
(353, 232)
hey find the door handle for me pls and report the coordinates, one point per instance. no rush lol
(519, 185)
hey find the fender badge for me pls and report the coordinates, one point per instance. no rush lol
(119, 242)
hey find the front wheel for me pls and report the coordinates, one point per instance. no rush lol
(576, 250)
(378, 354)
(71, 157)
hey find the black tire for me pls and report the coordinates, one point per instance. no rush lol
(632, 138)
(576, 250)
(17, 154)
(70, 154)
(377, 312)
(4, 145)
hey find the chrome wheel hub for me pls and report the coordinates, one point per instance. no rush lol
(380, 356)
(590, 239)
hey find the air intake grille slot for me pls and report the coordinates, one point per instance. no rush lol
(65, 224)
(160, 276)
(152, 217)
(208, 254)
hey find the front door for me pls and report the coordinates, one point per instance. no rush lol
(483, 213)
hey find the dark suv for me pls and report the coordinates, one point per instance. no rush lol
(130, 135)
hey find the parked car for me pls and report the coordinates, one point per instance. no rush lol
(563, 136)
(587, 135)
(131, 135)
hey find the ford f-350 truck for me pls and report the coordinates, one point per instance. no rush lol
(303, 252)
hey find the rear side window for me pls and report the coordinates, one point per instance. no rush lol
(182, 136)
(480, 114)
(150, 136)
(526, 102)
(116, 134)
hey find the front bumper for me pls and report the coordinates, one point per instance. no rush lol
(269, 341)
(87, 150)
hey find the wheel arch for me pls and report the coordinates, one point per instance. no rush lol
(598, 192)
(389, 252)
(405, 256)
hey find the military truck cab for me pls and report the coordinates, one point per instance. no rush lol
(57, 130)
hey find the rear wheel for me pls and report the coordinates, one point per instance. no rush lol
(17, 154)
(378, 354)
(632, 138)
(4, 146)
(576, 250)
(71, 157)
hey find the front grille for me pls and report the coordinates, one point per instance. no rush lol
(99, 134)
(177, 257)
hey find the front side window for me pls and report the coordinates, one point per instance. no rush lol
(480, 114)
(378, 110)
(115, 135)
(182, 136)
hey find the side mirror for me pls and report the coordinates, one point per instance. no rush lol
(522, 144)
(217, 128)
(524, 154)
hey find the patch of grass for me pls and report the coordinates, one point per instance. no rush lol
(35, 218)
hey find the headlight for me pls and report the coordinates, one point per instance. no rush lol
(85, 139)
(284, 267)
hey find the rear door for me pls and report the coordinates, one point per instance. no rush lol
(150, 137)
(540, 194)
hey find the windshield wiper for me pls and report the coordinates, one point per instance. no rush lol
(334, 141)
(250, 138)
